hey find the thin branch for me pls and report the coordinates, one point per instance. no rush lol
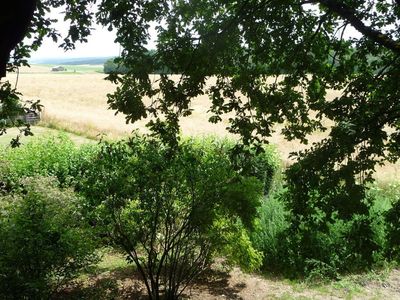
(350, 15)
(343, 27)
(130, 249)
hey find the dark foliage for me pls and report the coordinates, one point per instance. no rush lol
(44, 241)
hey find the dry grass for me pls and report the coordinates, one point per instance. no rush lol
(77, 102)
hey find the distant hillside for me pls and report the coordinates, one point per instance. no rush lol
(72, 61)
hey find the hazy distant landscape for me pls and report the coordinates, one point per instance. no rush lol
(71, 61)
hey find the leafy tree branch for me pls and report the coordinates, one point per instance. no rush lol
(349, 14)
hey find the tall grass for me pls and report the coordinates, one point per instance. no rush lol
(86, 130)
(317, 254)
(54, 155)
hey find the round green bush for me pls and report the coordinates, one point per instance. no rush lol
(173, 209)
(44, 242)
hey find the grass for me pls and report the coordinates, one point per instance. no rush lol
(370, 285)
(103, 281)
(70, 69)
(87, 131)
(112, 261)
(40, 131)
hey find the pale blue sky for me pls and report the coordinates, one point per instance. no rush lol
(100, 43)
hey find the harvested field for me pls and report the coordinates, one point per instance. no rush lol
(77, 102)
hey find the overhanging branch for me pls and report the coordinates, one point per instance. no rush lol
(350, 15)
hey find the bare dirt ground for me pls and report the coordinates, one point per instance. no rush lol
(218, 285)
(250, 286)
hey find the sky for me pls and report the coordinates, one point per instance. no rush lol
(100, 43)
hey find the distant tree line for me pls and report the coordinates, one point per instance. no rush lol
(111, 66)
(115, 66)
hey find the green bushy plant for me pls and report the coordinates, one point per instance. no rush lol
(173, 210)
(44, 242)
(324, 244)
(393, 221)
(111, 66)
(46, 156)
(272, 222)
(391, 212)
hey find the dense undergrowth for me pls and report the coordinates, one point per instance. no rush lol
(358, 244)
(172, 212)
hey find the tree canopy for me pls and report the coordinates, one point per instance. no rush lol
(272, 61)
(266, 65)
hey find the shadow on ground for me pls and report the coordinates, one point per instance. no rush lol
(125, 283)
(215, 283)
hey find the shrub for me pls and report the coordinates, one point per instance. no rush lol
(172, 211)
(391, 212)
(43, 240)
(270, 227)
(110, 66)
(54, 156)
(393, 221)
(323, 245)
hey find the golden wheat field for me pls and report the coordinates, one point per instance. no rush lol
(76, 101)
